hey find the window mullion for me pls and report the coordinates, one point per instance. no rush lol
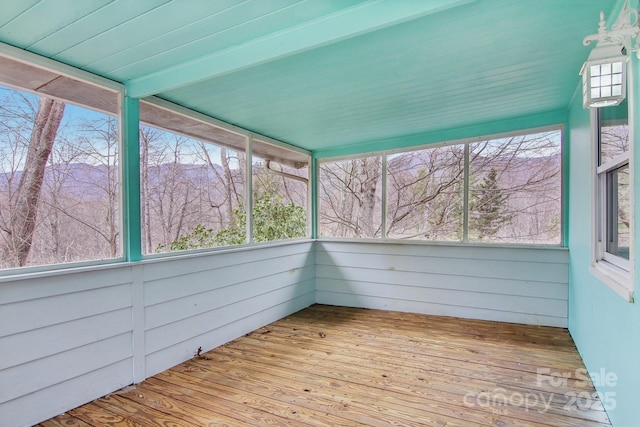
(465, 207)
(249, 192)
(384, 196)
(614, 163)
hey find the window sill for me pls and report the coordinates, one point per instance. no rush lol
(615, 278)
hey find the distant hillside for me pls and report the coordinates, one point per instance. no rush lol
(88, 182)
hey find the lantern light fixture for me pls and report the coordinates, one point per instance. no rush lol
(604, 73)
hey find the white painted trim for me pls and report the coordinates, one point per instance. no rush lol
(54, 270)
(383, 225)
(465, 196)
(617, 261)
(481, 138)
(38, 61)
(186, 112)
(614, 163)
(615, 278)
(280, 144)
(459, 244)
(248, 191)
(614, 272)
(138, 316)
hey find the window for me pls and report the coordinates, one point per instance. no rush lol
(515, 189)
(425, 194)
(192, 182)
(350, 196)
(280, 183)
(194, 186)
(497, 190)
(612, 211)
(59, 173)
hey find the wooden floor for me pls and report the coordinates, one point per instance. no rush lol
(334, 366)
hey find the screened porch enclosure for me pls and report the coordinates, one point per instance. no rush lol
(404, 203)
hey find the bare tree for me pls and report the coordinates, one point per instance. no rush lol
(350, 194)
(21, 223)
(186, 184)
(426, 192)
(231, 190)
(80, 195)
(147, 136)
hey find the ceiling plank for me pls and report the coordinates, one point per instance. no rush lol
(351, 22)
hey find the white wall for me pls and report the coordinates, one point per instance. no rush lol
(69, 337)
(193, 302)
(64, 339)
(522, 285)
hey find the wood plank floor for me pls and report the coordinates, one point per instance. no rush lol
(336, 366)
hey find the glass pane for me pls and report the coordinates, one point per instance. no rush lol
(279, 193)
(616, 67)
(63, 206)
(349, 198)
(515, 189)
(425, 194)
(614, 132)
(192, 192)
(618, 212)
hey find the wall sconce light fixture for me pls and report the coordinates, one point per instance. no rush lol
(604, 73)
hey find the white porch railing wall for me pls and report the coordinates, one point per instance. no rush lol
(506, 284)
(71, 336)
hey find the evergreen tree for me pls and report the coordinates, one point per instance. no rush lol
(489, 210)
(273, 219)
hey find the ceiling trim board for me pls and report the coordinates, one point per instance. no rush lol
(475, 132)
(195, 115)
(347, 23)
(36, 60)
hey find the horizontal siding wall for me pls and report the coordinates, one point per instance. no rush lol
(69, 338)
(206, 302)
(521, 285)
(65, 339)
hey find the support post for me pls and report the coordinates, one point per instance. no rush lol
(130, 158)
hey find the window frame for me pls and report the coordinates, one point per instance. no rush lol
(251, 140)
(105, 97)
(127, 112)
(263, 142)
(466, 142)
(614, 271)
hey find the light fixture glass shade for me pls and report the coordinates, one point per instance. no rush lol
(604, 77)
